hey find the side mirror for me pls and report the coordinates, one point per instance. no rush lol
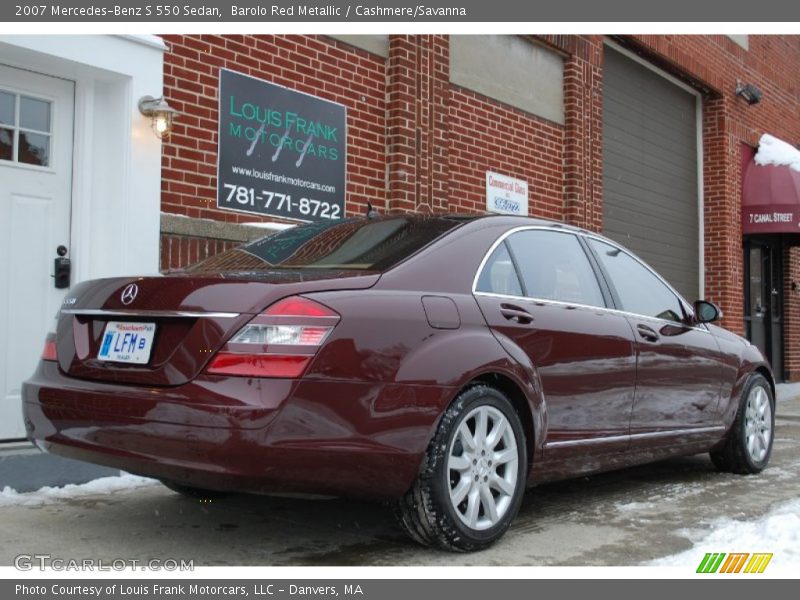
(707, 312)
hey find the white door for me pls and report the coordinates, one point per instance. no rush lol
(36, 120)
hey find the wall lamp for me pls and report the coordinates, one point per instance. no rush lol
(161, 114)
(750, 93)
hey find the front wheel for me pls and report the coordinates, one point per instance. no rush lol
(748, 445)
(472, 480)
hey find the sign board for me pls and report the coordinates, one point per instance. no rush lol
(281, 153)
(770, 218)
(506, 194)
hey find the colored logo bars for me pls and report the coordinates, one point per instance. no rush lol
(742, 562)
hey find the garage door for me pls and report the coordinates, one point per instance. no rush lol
(650, 187)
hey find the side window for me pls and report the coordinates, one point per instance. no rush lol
(639, 290)
(499, 275)
(554, 266)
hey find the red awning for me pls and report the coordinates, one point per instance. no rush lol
(770, 199)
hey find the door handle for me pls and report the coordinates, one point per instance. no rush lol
(647, 333)
(62, 268)
(515, 313)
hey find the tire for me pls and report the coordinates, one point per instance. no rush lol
(192, 492)
(748, 444)
(449, 505)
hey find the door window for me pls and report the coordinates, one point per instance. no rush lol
(554, 266)
(638, 289)
(25, 129)
(756, 282)
(499, 275)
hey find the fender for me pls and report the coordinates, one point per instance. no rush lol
(749, 365)
(745, 359)
(471, 354)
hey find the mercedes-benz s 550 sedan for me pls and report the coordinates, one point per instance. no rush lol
(444, 363)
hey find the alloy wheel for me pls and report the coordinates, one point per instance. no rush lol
(482, 468)
(758, 423)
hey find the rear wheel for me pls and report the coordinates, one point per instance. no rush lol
(192, 492)
(748, 445)
(472, 480)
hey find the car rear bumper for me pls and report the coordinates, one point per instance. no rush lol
(240, 434)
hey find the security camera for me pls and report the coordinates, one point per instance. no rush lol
(749, 92)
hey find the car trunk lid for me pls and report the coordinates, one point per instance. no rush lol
(193, 317)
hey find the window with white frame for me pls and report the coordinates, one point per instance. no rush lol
(25, 129)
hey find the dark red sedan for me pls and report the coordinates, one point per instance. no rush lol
(443, 362)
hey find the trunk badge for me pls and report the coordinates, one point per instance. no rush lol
(129, 293)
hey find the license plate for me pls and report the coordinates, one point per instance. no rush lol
(127, 342)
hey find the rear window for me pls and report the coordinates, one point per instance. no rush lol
(352, 244)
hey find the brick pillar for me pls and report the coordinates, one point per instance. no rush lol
(791, 313)
(417, 92)
(583, 130)
(722, 200)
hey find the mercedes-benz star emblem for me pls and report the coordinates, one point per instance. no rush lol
(129, 293)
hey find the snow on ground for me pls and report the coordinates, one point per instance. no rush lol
(778, 532)
(49, 495)
(772, 151)
(787, 391)
(633, 506)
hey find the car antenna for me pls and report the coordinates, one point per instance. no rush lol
(371, 212)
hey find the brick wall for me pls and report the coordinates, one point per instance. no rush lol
(487, 136)
(418, 143)
(312, 64)
(179, 250)
(415, 142)
(418, 74)
(583, 136)
(791, 313)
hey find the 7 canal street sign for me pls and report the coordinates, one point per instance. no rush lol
(771, 218)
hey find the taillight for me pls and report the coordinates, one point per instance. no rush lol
(297, 306)
(280, 342)
(291, 335)
(49, 351)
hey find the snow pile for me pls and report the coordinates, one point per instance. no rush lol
(772, 151)
(633, 506)
(49, 495)
(778, 532)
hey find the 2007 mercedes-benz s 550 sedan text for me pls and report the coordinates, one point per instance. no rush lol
(444, 363)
